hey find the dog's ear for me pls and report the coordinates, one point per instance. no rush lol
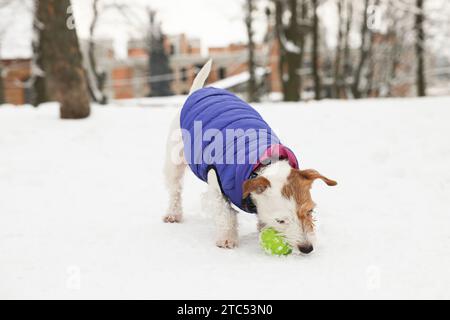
(257, 185)
(314, 175)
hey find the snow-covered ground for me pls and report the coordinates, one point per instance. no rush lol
(81, 205)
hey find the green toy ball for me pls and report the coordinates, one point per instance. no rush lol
(274, 243)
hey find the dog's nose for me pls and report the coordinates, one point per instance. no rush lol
(306, 248)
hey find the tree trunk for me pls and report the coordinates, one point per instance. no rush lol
(97, 90)
(337, 62)
(420, 50)
(347, 72)
(395, 62)
(252, 88)
(316, 52)
(61, 58)
(293, 59)
(40, 94)
(161, 74)
(369, 90)
(364, 53)
(304, 15)
(279, 32)
(39, 91)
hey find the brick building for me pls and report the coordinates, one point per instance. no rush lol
(128, 77)
(16, 73)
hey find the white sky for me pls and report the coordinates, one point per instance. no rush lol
(215, 22)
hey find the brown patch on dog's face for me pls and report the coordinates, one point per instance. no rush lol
(258, 186)
(298, 187)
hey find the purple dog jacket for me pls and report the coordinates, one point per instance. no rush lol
(222, 132)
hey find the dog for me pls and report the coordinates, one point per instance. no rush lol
(271, 185)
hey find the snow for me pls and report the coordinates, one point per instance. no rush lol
(290, 46)
(81, 205)
(172, 101)
(238, 79)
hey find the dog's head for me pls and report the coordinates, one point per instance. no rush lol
(283, 200)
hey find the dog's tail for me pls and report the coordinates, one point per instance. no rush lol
(200, 80)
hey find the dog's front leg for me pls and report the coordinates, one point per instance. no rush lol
(224, 214)
(227, 228)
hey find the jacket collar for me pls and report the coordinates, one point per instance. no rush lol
(273, 154)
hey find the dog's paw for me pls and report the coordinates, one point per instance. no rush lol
(170, 218)
(227, 243)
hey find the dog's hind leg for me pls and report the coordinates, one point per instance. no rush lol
(175, 164)
(174, 169)
(225, 215)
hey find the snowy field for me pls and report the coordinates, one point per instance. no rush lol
(81, 205)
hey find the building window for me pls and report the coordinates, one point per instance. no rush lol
(222, 73)
(198, 67)
(184, 76)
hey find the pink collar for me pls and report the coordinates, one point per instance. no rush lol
(278, 152)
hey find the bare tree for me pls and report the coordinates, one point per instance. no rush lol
(128, 12)
(291, 39)
(292, 55)
(97, 86)
(347, 71)
(316, 51)
(338, 73)
(61, 58)
(279, 10)
(304, 31)
(371, 57)
(420, 49)
(364, 52)
(252, 87)
(160, 71)
(40, 93)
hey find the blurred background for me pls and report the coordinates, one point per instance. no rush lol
(81, 201)
(289, 50)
